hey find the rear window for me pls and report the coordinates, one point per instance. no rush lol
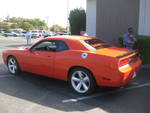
(96, 43)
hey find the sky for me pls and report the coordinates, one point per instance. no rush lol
(52, 11)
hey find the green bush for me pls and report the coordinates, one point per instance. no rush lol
(143, 46)
(77, 20)
(120, 39)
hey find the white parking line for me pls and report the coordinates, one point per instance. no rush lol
(5, 76)
(135, 83)
(103, 94)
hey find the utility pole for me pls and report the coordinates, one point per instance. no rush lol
(68, 15)
(47, 20)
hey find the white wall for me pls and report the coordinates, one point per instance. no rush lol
(91, 18)
(144, 19)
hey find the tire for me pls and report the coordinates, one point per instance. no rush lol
(13, 66)
(82, 81)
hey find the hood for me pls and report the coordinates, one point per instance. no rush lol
(113, 52)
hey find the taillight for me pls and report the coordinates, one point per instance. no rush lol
(124, 62)
(133, 59)
(128, 61)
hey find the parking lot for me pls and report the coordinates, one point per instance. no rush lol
(30, 93)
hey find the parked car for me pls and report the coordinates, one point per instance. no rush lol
(2, 31)
(48, 34)
(35, 34)
(19, 34)
(11, 34)
(86, 62)
(41, 33)
(24, 33)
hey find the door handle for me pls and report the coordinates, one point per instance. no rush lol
(48, 56)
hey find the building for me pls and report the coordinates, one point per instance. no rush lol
(110, 18)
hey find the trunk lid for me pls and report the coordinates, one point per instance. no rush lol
(114, 52)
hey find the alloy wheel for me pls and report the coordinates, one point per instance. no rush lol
(80, 81)
(12, 65)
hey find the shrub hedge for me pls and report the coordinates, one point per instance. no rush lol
(143, 46)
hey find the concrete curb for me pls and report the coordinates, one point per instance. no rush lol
(145, 66)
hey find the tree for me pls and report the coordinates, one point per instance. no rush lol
(28, 24)
(57, 28)
(4, 26)
(37, 23)
(77, 20)
(13, 26)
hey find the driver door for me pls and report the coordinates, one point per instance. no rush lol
(40, 58)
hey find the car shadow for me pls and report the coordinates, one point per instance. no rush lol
(50, 92)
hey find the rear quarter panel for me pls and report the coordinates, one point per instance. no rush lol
(100, 66)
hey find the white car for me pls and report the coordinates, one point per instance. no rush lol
(35, 34)
(11, 34)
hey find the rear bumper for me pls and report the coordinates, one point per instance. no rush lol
(122, 76)
(128, 73)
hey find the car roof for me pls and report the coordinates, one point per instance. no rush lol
(73, 41)
(71, 37)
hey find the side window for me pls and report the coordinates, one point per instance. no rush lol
(45, 46)
(61, 45)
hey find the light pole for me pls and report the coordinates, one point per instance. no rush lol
(47, 19)
(68, 2)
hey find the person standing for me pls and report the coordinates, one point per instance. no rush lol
(83, 32)
(128, 39)
(28, 37)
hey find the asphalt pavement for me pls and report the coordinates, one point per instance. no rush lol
(31, 93)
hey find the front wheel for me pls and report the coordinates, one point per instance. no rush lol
(13, 66)
(82, 81)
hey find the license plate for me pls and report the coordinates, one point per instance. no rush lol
(134, 75)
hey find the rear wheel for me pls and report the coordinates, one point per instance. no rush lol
(13, 66)
(82, 81)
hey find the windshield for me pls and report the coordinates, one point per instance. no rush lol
(96, 43)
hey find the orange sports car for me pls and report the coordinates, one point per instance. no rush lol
(86, 62)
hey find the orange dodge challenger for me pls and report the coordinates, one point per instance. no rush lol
(86, 62)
